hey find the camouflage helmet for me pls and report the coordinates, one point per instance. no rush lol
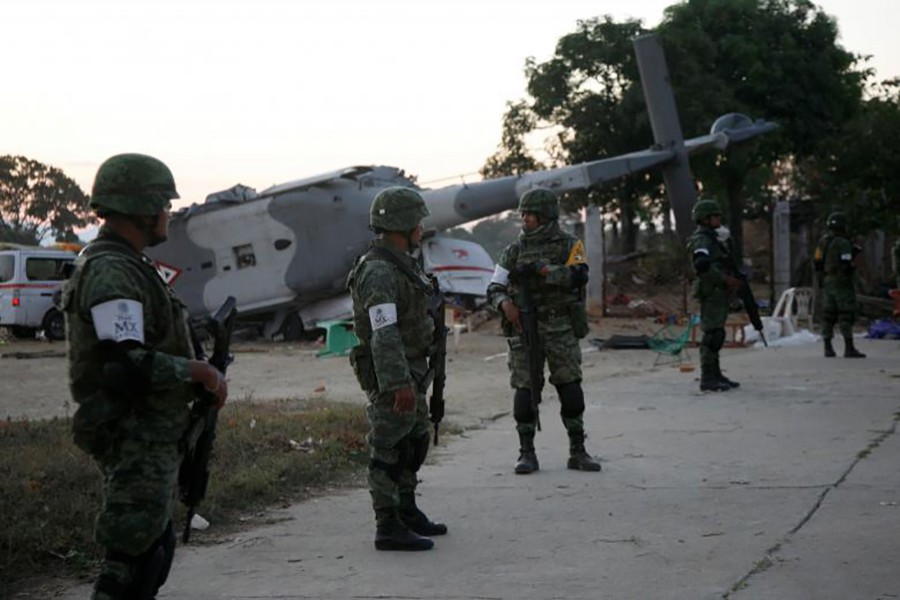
(705, 208)
(133, 184)
(541, 202)
(836, 222)
(397, 209)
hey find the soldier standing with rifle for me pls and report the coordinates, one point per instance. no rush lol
(131, 372)
(836, 253)
(538, 288)
(715, 280)
(391, 297)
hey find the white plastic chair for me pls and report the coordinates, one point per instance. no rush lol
(795, 304)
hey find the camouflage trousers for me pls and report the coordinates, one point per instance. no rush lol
(561, 351)
(713, 314)
(139, 479)
(838, 307)
(394, 439)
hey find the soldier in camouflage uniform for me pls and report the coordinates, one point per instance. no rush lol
(390, 313)
(836, 253)
(131, 370)
(712, 262)
(550, 266)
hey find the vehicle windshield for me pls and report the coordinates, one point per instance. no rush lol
(7, 267)
(46, 269)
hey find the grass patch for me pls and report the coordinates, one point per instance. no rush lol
(265, 454)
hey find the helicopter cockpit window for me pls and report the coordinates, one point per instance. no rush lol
(244, 256)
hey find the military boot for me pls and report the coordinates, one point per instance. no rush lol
(710, 382)
(392, 534)
(528, 462)
(729, 382)
(579, 459)
(416, 520)
(829, 349)
(850, 350)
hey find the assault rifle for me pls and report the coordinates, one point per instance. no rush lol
(531, 338)
(193, 476)
(437, 358)
(745, 294)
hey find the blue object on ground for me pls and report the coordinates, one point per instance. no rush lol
(884, 329)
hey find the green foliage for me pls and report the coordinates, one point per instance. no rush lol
(777, 59)
(861, 174)
(37, 200)
(512, 158)
(774, 58)
(586, 96)
(266, 453)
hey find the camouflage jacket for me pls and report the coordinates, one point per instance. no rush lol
(711, 262)
(150, 398)
(390, 315)
(553, 293)
(836, 252)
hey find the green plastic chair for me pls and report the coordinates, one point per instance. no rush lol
(339, 338)
(670, 344)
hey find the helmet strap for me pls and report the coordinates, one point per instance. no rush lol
(147, 225)
(410, 244)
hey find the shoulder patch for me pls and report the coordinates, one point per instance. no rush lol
(577, 256)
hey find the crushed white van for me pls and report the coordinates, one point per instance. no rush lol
(30, 277)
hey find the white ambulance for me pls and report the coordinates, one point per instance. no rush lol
(30, 277)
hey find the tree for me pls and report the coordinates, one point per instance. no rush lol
(584, 96)
(512, 158)
(859, 173)
(37, 200)
(777, 59)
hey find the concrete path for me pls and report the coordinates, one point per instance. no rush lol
(787, 488)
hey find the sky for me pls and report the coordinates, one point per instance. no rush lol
(268, 91)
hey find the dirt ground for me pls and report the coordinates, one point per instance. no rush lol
(34, 377)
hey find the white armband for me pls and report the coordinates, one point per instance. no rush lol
(701, 251)
(846, 257)
(383, 315)
(500, 275)
(119, 320)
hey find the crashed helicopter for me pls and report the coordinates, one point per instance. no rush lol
(285, 252)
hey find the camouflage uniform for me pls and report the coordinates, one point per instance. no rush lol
(839, 305)
(711, 261)
(556, 296)
(391, 320)
(132, 399)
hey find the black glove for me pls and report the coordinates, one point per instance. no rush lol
(579, 275)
